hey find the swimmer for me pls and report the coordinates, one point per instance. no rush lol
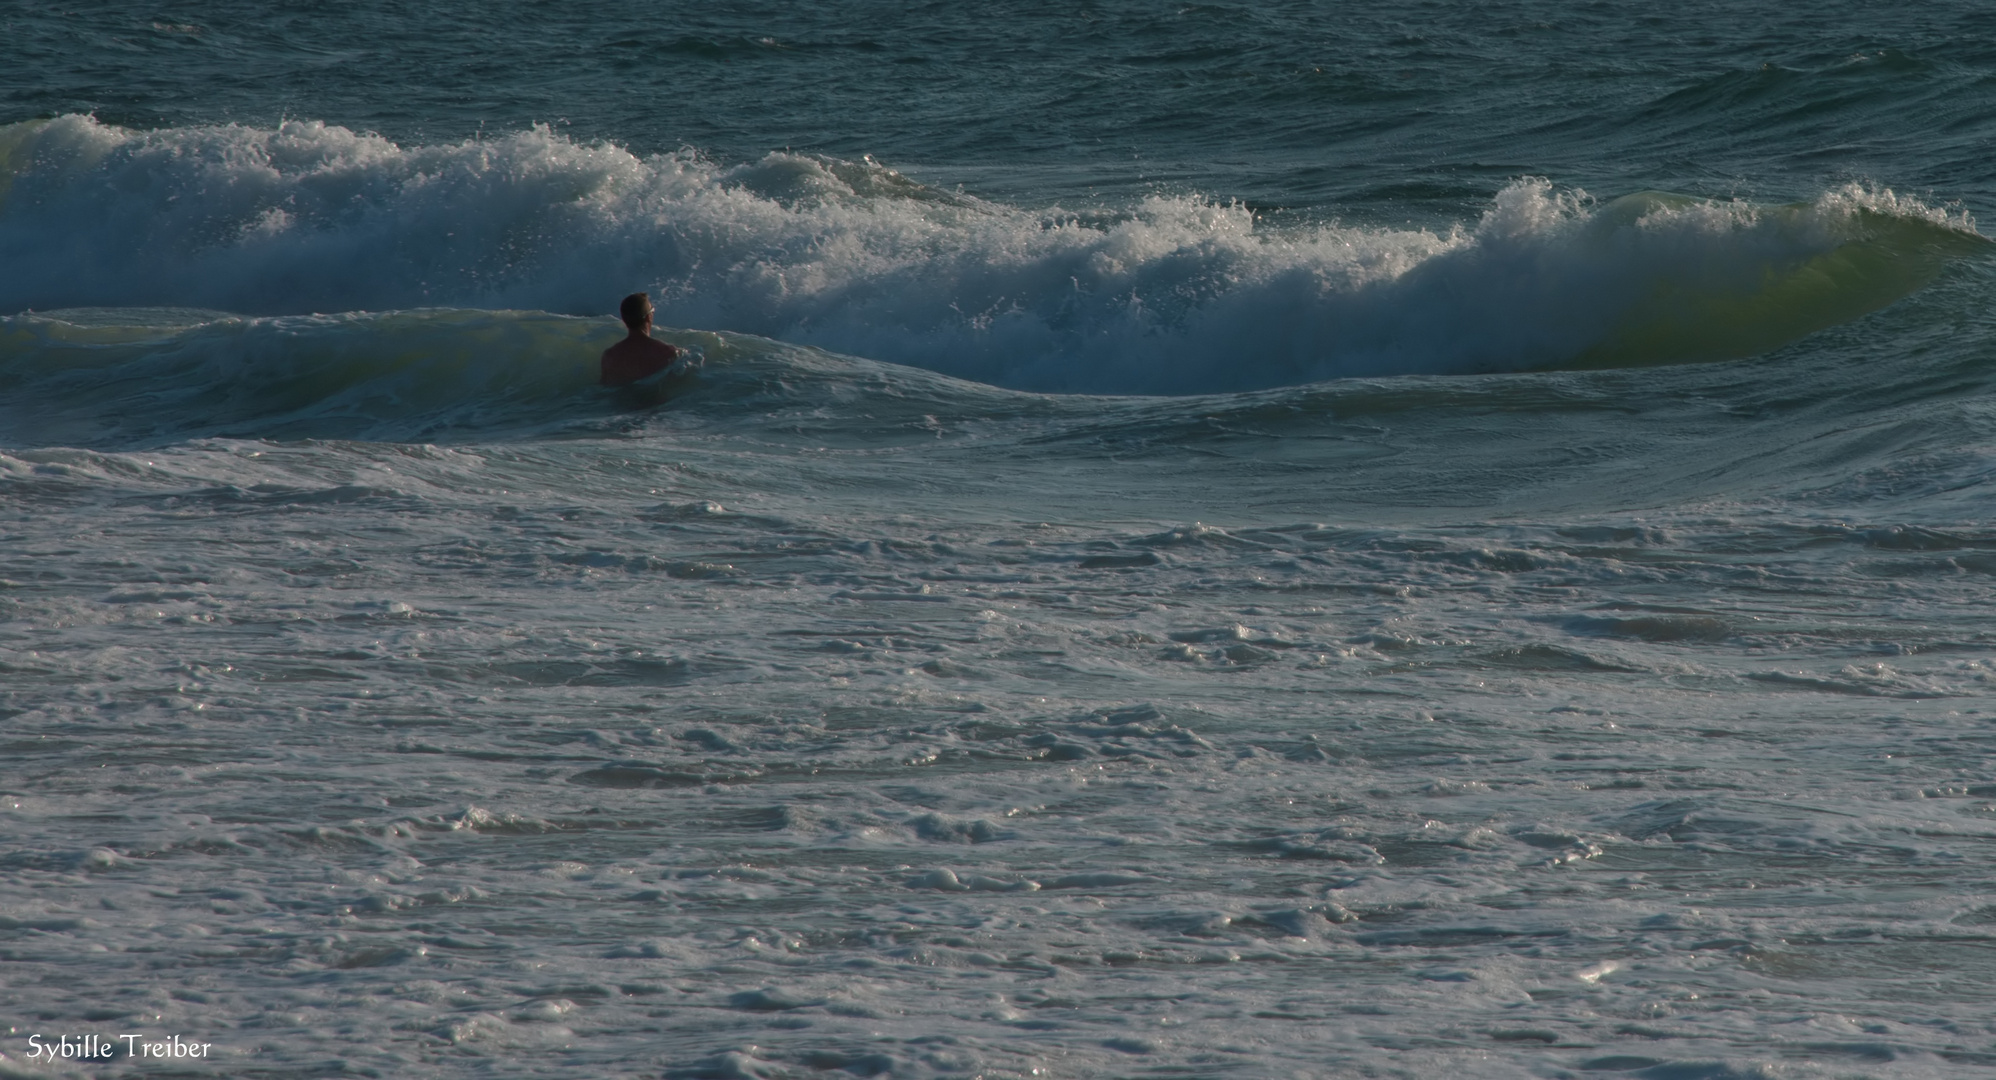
(638, 355)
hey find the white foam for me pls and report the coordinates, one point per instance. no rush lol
(1177, 294)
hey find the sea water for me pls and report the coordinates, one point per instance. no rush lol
(1298, 539)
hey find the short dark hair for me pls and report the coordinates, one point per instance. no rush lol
(634, 309)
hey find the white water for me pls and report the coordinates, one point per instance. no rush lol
(1171, 295)
(418, 757)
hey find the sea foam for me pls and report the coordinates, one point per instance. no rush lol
(1173, 294)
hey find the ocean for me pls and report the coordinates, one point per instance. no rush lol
(1292, 539)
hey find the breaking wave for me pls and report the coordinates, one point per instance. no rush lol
(1171, 295)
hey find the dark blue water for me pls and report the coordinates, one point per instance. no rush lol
(1373, 112)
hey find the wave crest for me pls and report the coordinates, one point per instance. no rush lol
(1172, 295)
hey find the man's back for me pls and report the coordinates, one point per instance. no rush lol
(635, 358)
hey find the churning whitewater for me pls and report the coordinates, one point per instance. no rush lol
(1174, 295)
(1203, 541)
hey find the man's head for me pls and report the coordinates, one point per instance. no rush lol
(635, 310)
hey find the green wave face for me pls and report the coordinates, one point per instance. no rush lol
(137, 373)
(1868, 257)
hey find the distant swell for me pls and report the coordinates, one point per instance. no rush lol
(1173, 295)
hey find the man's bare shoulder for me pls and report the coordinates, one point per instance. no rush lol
(634, 358)
(641, 347)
